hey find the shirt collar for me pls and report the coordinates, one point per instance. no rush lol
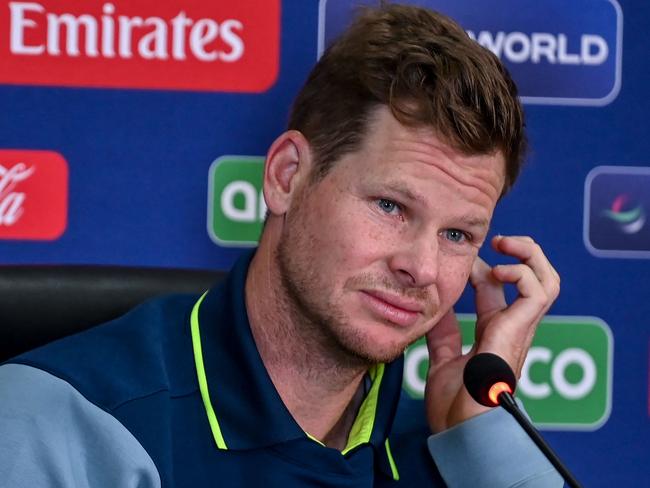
(243, 407)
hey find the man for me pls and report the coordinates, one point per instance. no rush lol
(380, 195)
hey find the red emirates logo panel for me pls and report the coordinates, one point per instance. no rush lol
(176, 45)
(33, 194)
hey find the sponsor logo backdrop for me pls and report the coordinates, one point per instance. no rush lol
(133, 133)
(193, 45)
(566, 382)
(33, 194)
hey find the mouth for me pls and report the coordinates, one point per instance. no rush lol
(395, 309)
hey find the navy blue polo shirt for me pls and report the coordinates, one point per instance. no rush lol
(179, 380)
(175, 394)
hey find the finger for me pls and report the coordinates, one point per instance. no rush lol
(490, 297)
(444, 341)
(513, 335)
(524, 248)
(523, 277)
(521, 238)
(530, 253)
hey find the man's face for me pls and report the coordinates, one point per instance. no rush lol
(375, 253)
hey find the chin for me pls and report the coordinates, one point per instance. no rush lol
(377, 346)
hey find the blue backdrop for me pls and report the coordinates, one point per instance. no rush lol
(140, 190)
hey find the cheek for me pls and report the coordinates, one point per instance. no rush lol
(452, 283)
(344, 227)
(318, 241)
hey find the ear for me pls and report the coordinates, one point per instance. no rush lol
(286, 170)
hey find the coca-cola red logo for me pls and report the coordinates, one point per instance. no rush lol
(33, 194)
(187, 45)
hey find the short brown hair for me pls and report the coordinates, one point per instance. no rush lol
(425, 68)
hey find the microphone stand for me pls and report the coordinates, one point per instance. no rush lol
(508, 402)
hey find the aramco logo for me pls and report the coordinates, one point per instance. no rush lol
(628, 214)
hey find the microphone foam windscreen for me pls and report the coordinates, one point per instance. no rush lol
(482, 372)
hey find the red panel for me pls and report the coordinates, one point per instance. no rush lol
(33, 194)
(172, 45)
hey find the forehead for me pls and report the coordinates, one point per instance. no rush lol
(390, 146)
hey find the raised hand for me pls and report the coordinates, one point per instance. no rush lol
(505, 330)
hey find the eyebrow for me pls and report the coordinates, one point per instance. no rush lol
(405, 191)
(474, 222)
(408, 193)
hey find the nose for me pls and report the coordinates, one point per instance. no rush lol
(415, 263)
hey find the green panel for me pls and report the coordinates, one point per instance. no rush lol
(567, 379)
(236, 207)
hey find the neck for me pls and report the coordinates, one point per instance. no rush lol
(321, 389)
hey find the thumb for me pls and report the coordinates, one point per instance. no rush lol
(444, 341)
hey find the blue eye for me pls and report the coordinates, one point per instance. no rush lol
(387, 206)
(455, 235)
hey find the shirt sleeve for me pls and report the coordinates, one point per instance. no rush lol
(52, 436)
(491, 451)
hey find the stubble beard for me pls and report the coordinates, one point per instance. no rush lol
(319, 322)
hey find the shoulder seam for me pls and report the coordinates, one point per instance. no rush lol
(68, 380)
(145, 395)
(534, 476)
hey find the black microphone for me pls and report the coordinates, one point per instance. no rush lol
(491, 382)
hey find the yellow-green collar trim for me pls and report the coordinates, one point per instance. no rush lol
(314, 439)
(200, 373)
(359, 433)
(363, 424)
(362, 427)
(391, 461)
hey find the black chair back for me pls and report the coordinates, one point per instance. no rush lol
(39, 304)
